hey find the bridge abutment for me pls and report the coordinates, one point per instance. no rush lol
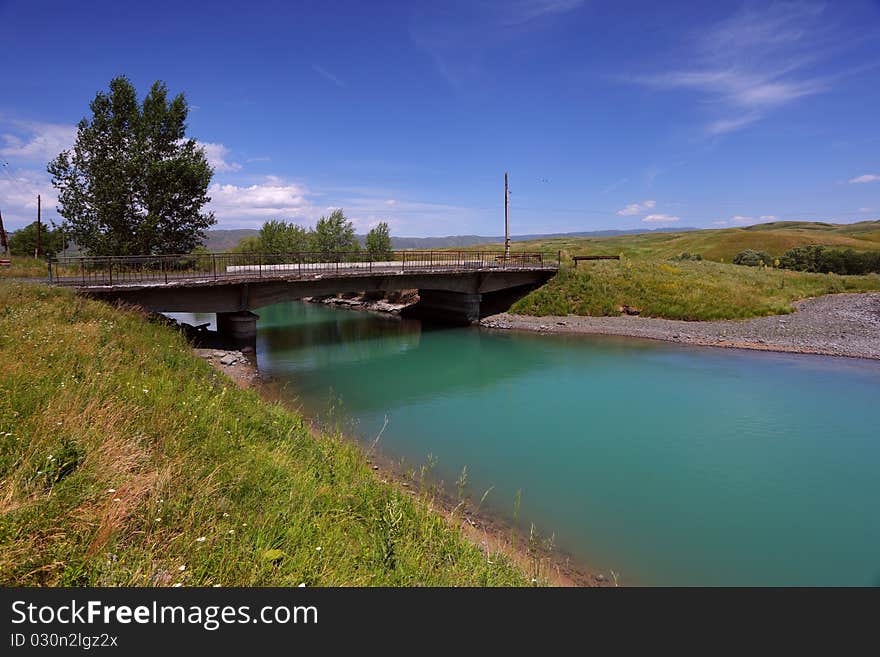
(239, 327)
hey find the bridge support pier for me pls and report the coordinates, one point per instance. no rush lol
(446, 306)
(239, 328)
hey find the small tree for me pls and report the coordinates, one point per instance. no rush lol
(23, 242)
(282, 237)
(133, 183)
(379, 242)
(334, 235)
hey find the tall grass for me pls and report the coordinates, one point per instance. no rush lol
(682, 290)
(25, 267)
(125, 460)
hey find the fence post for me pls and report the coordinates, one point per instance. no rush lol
(214, 265)
(164, 268)
(110, 270)
(82, 270)
(49, 265)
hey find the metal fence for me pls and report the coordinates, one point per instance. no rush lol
(122, 270)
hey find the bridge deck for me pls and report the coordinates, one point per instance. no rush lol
(206, 269)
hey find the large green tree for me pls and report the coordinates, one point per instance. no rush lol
(379, 241)
(133, 183)
(334, 235)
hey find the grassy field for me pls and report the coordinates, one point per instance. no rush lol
(682, 290)
(718, 245)
(22, 266)
(126, 460)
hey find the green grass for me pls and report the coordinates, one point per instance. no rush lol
(126, 460)
(682, 290)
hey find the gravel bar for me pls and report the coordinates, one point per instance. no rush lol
(832, 325)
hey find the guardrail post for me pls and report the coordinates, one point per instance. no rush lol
(49, 265)
(214, 265)
(164, 268)
(403, 265)
(110, 270)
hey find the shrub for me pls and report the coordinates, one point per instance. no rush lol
(751, 258)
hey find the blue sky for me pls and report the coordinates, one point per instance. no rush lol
(606, 114)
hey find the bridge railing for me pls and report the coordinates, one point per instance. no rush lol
(132, 270)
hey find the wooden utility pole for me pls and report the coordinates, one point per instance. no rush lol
(4, 243)
(38, 249)
(506, 219)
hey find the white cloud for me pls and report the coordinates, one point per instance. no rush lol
(742, 220)
(218, 157)
(636, 208)
(866, 210)
(35, 141)
(756, 61)
(868, 177)
(660, 219)
(18, 194)
(251, 205)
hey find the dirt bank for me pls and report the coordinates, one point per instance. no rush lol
(832, 325)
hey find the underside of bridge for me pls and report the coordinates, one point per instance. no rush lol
(455, 297)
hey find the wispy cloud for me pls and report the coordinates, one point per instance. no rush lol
(456, 35)
(327, 75)
(35, 141)
(660, 219)
(636, 208)
(868, 177)
(756, 61)
(218, 157)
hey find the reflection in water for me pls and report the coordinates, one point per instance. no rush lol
(669, 464)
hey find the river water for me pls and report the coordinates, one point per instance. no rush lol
(667, 464)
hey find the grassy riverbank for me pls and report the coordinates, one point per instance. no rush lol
(682, 290)
(126, 460)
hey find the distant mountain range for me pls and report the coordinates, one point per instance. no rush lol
(221, 240)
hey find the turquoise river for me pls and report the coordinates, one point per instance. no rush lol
(669, 465)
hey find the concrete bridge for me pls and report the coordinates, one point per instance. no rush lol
(454, 286)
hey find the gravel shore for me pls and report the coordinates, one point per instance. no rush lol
(833, 325)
